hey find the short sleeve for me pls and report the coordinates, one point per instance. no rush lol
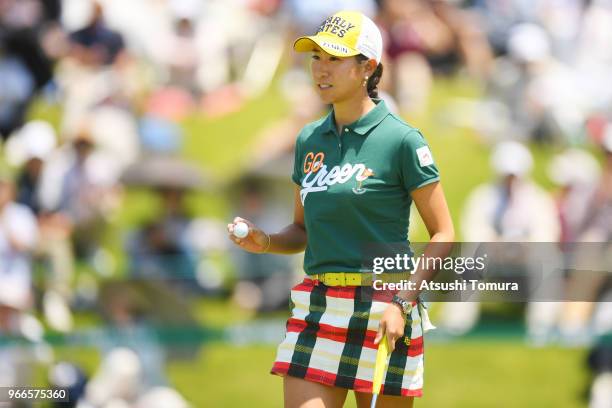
(297, 163)
(417, 166)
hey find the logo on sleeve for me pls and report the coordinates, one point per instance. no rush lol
(424, 155)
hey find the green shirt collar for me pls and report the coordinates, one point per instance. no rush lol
(362, 125)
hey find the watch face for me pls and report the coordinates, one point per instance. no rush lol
(404, 304)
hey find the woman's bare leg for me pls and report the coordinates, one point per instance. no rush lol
(364, 400)
(300, 393)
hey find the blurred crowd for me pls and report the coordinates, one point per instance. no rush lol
(124, 74)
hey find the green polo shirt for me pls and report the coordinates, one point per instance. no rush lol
(355, 186)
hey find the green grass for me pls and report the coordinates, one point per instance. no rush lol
(479, 374)
(462, 374)
(221, 146)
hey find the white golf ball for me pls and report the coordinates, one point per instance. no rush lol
(241, 230)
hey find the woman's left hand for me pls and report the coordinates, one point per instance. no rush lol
(392, 323)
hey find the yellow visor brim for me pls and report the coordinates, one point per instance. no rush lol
(327, 44)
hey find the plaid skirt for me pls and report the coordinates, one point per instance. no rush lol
(330, 340)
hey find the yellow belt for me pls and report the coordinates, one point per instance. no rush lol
(357, 278)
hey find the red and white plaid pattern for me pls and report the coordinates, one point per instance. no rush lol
(330, 340)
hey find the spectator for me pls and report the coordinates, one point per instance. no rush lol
(17, 89)
(18, 238)
(96, 44)
(597, 223)
(78, 184)
(415, 37)
(498, 19)
(471, 48)
(25, 68)
(512, 209)
(28, 149)
(575, 172)
(593, 231)
(161, 249)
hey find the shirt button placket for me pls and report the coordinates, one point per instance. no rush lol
(340, 142)
(346, 130)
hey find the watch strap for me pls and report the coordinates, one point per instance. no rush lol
(404, 305)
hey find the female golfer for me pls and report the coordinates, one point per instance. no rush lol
(357, 171)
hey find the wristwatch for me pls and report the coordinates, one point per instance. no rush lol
(404, 305)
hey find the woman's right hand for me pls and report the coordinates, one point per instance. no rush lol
(256, 241)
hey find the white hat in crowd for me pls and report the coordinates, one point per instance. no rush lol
(119, 377)
(573, 167)
(36, 139)
(528, 42)
(511, 158)
(161, 397)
